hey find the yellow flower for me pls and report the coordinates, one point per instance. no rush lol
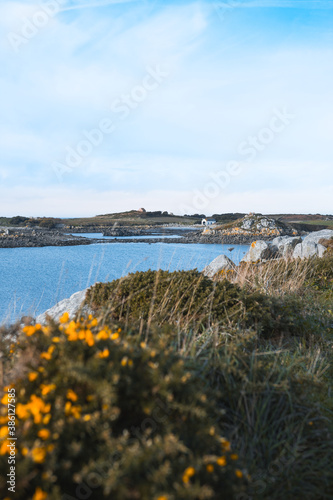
(22, 411)
(47, 388)
(239, 473)
(102, 335)
(38, 455)
(29, 330)
(36, 406)
(90, 338)
(163, 497)
(104, 354)
(50, 448)
(71, 395)
(86, 418)
(190, 471)
(210, 468)
(24, 451)
(68, 407)
(32, 376)
(39, 495)
(185, 479)
(38, 326)
(4, 448)
(115, 336)
(76, 411)
(222, 461)
(46, 330)
(124, 361)
(55, 339)
(82, 334)
(234, 456)
(130, 362)
(72, 336)
(94, 322)
(143, 345)
(48, 355)
(4, 400)
(47, 418)
(3, 431)
(225, 444)
(44, 433)
(64, 318)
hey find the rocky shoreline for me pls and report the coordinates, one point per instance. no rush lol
(51, 238)
(17, 238)
(251, 228)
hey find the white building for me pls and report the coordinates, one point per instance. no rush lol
(208, 222)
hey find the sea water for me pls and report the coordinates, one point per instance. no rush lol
(34, 279)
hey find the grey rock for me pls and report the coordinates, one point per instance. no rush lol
(308, 249)
(319, 235)
(72, 305)
(247, 224)
(286, 244)
(260, 250)
(222, 262)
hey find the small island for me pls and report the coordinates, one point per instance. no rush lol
(228, 228)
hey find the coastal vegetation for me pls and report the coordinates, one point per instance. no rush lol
(143, 217)
(179, 387)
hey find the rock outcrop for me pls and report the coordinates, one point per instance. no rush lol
(324, 234)
(260, 250)
(26, 237)
(313, 245)
(286, 244)
(72, 305)
(258, 226)
(308, 249)
(221, 263)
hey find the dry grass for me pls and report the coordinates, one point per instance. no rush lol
(275, 277)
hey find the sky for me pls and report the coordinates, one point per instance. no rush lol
(190, 107)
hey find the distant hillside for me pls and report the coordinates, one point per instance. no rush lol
(142, 217)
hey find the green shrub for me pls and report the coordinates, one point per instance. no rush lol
(189, 300)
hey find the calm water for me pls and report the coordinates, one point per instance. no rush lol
(34, 279)
(146, 237)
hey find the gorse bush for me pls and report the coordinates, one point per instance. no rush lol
(189, 300)
(177, 388)
(103, 414)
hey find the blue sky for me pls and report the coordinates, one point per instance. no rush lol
(245, 83)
